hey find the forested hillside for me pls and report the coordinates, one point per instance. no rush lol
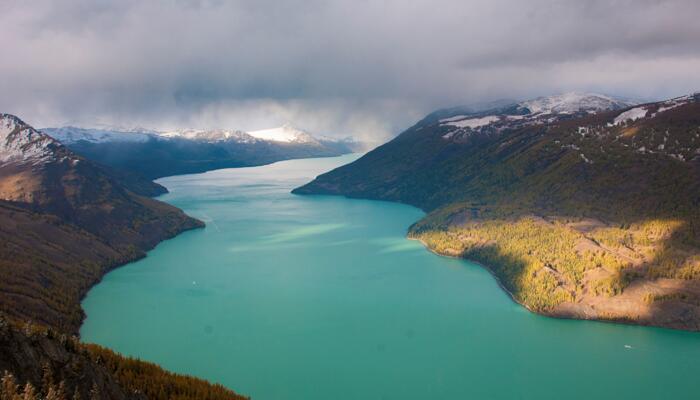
(580, 213)
(64, 223)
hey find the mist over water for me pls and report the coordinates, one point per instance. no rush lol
(315, 297)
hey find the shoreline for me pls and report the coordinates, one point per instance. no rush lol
(484, 266)
(143, 254)
(562, 316)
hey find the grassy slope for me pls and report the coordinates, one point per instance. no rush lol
(620, 236)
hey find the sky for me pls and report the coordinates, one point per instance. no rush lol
(347, 67)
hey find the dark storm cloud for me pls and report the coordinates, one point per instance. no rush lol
(364, 67)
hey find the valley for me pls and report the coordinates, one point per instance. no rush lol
(342, 200)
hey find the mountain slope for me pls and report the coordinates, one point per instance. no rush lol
(54, 366)
(152, 154)
(65, 223)
(588, 211)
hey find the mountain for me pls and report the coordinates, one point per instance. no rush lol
(65, 222)
(209, 136)
(70, 134)
(572, 102)
(152, 154)
(582, 205)
(409, 160)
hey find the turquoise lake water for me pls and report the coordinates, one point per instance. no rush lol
(317, 297)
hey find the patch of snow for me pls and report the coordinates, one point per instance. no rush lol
(473, 122)
(449, 135)
(666, 108)
(631, 115)
(678, 157)
(586, 160)
(673, 103)
(455, 118)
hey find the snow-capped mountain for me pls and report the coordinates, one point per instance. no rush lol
(572, 102)
(32, 165)
(72, 134)
(20, 143)
(563, 159)
(285, 133)
(154, 154)
(542, 110)
(212, 135)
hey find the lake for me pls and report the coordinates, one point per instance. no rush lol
(319, 297)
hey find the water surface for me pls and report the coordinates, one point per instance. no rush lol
(316, 297)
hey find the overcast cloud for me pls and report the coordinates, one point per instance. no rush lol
(368, 68)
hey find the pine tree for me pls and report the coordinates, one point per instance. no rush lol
(29, 392)
(47, 381)
(62, 391)
(9, 387)
(51, 394)
(95, 392)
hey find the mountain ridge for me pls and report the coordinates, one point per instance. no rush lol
(69, 134)
(152, 155)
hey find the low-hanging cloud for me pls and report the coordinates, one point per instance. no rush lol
(367, 68)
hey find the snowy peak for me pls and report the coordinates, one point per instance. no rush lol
(212, 135)
(571, 103)
(542, 110)
(20, 143)
(285, 133)
(72, 134)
